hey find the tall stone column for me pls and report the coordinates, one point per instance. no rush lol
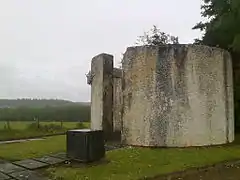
(102, 94)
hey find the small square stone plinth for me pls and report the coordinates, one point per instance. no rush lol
(31, 164)
(85, 145)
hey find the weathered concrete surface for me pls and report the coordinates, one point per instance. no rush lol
(102, 93)
(229, 96)
(177, 95)
(117, 99)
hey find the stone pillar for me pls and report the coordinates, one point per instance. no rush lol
(102, 93)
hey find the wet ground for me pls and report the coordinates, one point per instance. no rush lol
(225, 172)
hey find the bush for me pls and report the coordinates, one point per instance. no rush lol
(80, 125)
(45, 128)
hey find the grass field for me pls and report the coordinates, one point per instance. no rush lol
(21, 125)
(127, 163)
(19, 130)
(29, 149)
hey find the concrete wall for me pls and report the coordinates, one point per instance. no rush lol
(117, 100)
(102, 93)
(177, 95)
(229, 96)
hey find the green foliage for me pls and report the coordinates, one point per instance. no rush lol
(223, 28)
(155, 37)
(51, 128)
(80, 125)
(36, 103)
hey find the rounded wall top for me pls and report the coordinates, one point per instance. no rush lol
(139, 48)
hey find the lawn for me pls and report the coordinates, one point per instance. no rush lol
(21, 125)
(29, 149)
(127, 163)
(135, 163)
(19, 130)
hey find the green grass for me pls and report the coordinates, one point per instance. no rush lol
(21, 125)
(19, 130)
(30, 149)
(127, 164)
(142, 162)
(135, 163)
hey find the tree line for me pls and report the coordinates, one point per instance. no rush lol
(13, 103)
(80, 113)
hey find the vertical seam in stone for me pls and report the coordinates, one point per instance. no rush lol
(122, 108)
(225, 68)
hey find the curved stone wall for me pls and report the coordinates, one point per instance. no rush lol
(177, 96)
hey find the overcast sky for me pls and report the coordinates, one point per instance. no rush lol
(46, 46)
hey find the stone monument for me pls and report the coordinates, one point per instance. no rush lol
(164, 96)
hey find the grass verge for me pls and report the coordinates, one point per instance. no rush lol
(127, 163)
(137, 163)
(30, 149)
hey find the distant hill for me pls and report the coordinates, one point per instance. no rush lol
(37, 103)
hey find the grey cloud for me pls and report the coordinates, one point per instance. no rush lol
(46, 46)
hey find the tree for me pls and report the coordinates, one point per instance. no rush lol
(156, 37)
(223, 26)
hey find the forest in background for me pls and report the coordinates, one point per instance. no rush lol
(43, 110)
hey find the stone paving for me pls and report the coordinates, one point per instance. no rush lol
(4, 176)
(27, 175)
(50, 160)
(24, 169)
(30, 164)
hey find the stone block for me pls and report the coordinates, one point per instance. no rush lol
(27, 175)
(50, 160)
(61, 155)
(102, 93)
(7, 168)
(4, 176)
(30, 164)
(177, 96)
(117, 104)
(85, 145)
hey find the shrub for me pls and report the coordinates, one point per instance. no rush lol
(45, 128)
(80, 125)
